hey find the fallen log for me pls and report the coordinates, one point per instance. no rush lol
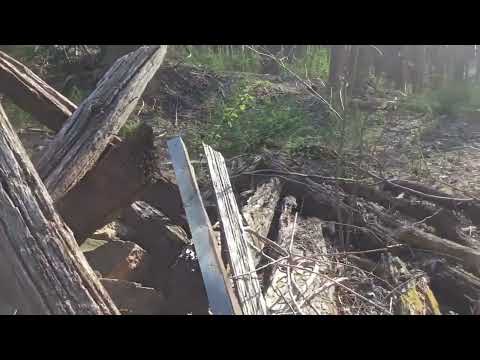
(420, 239)
(455, 288)
(443, 220)
(158, 235)
(260, 210)
(164, 195)
(134, 299)
(32, 94)
(86, 134)
(470, 207)
(122, 173)
(240, 256)
(122, 260)
(42, 266)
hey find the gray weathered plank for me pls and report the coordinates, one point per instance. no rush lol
(245, 277)
(86, 134)
(42, 270)
(217, 285)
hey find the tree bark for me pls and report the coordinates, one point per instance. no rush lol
(43, 269)
(455, 287)
(122, 173)
(32, 94)
(260, 210)
(87, 133)
(338, 57)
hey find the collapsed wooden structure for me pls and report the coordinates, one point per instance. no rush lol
(284, 245)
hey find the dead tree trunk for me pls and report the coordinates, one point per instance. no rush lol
(260, 210)
(32, 94)
(122, 173)
(43, 269)
(87, 133)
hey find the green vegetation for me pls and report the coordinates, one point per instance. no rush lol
(225, 59)
(453, 99)
(246, 122)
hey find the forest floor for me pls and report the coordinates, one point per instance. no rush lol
(443, 152)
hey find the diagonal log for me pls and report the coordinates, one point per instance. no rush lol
(122, 173)
(42, 269)
(87, 133)
(32, 94)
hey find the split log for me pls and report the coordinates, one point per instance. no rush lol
(32, 94)
(158, 235)
(240, 257)
(455, 288)
(260, 210)
(312, 291)
(122, 173)
(122, 260)
(86, 134)
(171, 268)
(41, 263)
(164, 195)
(134, 299)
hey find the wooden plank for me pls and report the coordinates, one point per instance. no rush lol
(217, 285)
(32, 94)
(241, 259)
(42, 270)
(87, 133)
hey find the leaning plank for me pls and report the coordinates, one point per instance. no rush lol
(243, 268)
(122, 173)
(40, 260)
(32, 94)
(260, 209)
(217, 285)
(87, 133)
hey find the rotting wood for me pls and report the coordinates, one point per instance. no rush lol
(443, 220)
(260, 210)
(32, 94)
(157, 234)
(241, 259)
(469, 207)
(417, 238)
(41, 262)
(86, 134)
(314, 294)
(121, 174)
(218, 287)
(455, 287)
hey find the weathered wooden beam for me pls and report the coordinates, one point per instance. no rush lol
(32, 94)
(241, 259)
(42, 267)
(260, 210)
(218, 287)
(87, 133)
(122, 173)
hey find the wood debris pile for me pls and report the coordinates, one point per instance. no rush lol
(92, 227)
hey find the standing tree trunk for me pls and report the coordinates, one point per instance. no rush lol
(86, 134)
(42, 269)
(419, 54)
(338, 57)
